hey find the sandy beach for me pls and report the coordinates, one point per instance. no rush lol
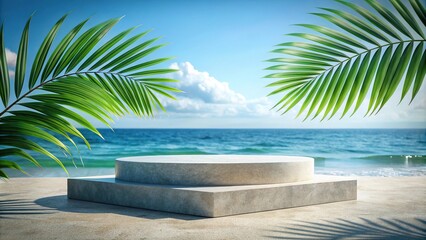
(388, 208)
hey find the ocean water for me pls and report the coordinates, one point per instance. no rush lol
(348, 152)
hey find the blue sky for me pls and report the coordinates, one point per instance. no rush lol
(219, 47)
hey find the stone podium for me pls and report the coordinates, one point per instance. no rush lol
(213, 185)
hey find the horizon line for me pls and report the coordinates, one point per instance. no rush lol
(230, 128)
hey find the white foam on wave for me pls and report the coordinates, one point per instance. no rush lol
(383, 172)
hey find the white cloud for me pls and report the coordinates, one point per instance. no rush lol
(11, 58)
(200, 85)
(420, 102)
(205, 96)
(11, 73)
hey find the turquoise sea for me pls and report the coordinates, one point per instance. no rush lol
(360, 152)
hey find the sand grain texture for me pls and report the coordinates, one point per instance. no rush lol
(37, 208)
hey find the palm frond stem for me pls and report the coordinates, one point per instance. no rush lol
(53, 79)
(361, 53)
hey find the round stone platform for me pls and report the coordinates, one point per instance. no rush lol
(214, 170)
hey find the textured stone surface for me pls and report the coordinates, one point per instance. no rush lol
(214, 170)
(213, 201)
(155, 197)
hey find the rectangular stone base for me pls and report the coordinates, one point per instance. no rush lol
(213, 201)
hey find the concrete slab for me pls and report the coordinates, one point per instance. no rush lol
(212, 201)
(214, 170)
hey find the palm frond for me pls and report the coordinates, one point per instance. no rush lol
(371, 50)
(76, 76)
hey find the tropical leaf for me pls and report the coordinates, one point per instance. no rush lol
(21, 60)
(370, 50)
(42, 53)
(77, 76)
(4, 72)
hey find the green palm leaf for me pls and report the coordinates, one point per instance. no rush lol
(21, 60)
(370, 50)
(120, 80)
(42, 53)
(4, 72)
